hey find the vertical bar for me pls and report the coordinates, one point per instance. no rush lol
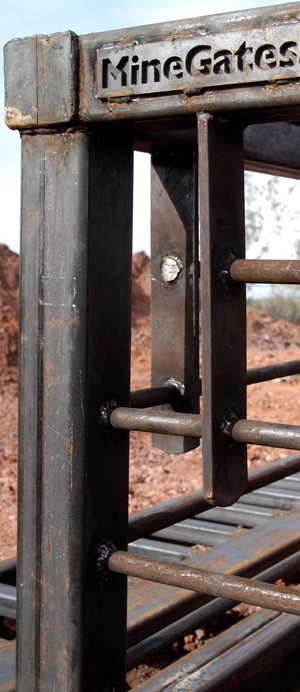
(75, 332)
(175, 286)
(222, 233)
(108, 378)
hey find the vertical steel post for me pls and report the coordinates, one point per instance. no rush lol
(175, 286)
(222, 237)
(75, 356)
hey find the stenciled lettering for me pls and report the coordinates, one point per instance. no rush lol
(266, 57)
(117, 73)
(243, 54)
(199, 66)
(142, 71)
(134, 69)
(173, 68)
(224, 62)
(290, 55)
(155, 64)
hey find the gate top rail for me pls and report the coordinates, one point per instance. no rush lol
(224, 62)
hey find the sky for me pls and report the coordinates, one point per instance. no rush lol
(20, 18)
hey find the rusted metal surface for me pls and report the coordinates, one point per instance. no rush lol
(200, 617)
(154, 396)
(153, 606)
(76, 208)
(152, 519)
(70, 307)
(272, 148)
(222, 232)
(175, 286)
(41, 80)
(246, 431)
(271, 434)
(213, 583)
(51, 412)
(271, 372)
(162, 422)
(265, 271)
(196, 532)
(145, 72)
(258, 653)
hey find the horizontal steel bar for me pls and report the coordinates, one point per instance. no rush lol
(271, 372)
(273, 497)
(202, 581)
(195, 531)
(268, 434)
(190, 425)
(238, 514)
(152, 519)
(157, 396)
(165, 422)
(265, 271)
(154, 548)
(200, 617)
(154, 396)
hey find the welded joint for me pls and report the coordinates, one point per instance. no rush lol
(224, 270)
(229, 421)
(105, 412)
(175, 384)
(103, 553)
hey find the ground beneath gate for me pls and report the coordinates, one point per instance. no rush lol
(154, 475)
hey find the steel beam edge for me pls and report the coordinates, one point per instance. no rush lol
(77, 190)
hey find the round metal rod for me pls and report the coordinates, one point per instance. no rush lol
(151, 519)
(157, 396)
(271, 372)
(190, 425)
(154, 396)
(203, 581)
(201, 616)
(265, 271)
(168, 423)
(268, 434)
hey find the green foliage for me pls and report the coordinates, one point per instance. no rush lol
(261, 201)
(284, 304)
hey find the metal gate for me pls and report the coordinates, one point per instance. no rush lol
(186, 92)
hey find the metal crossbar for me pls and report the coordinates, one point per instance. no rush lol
(197, 106)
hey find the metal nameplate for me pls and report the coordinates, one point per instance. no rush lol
(238, 57)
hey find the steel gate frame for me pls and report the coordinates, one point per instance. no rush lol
(78, 136)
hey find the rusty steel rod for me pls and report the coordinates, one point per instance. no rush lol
(190, 425)
(165, 422)
(201, 616)
(268, 434)
(271, 372)
(265, 271)
(157, 396)
(147, 521)
(203, 581)
(154, 396)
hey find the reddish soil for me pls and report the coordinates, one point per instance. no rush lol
(154, 475)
